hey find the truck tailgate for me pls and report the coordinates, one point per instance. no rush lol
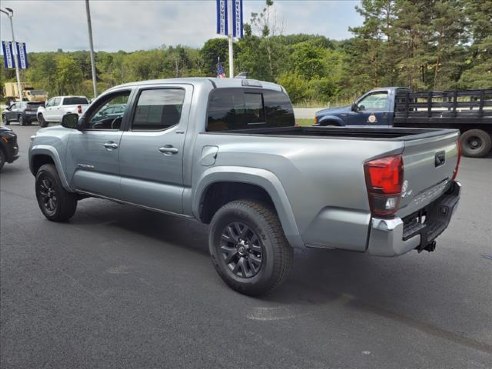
(429, 164)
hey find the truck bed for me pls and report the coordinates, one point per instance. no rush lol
(347, 132)
(443, 107)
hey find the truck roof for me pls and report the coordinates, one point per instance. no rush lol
(216, 82)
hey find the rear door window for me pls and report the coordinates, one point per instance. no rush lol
(158, 109)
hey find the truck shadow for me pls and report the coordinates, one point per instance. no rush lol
(409, 290)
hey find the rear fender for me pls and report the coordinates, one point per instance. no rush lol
(259, 177)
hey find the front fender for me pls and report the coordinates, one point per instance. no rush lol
(332, 119)
(259, 177)
(46, 150)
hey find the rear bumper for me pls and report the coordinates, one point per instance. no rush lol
(393, 237)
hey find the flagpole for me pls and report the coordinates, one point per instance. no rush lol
(231, 57)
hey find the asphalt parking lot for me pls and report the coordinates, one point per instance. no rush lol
(120, 287)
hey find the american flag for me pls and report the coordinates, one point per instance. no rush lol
(220, 70)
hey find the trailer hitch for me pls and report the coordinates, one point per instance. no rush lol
(431, 246)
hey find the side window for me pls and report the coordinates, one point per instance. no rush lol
(158, 109)
(374, 102)
(48, 103)
(98, 118)
(56, 101)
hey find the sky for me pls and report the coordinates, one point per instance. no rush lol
(142, 25)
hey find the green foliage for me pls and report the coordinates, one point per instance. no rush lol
(296, 86)
(423, 44)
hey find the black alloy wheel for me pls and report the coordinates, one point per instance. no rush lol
(47, 195)
(56, 203)
(248, 247)
(241, 249)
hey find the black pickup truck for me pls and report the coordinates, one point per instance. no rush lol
(469, 111)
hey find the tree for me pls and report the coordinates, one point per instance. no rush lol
(212, 50)
(68, 74)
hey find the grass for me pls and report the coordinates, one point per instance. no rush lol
(306, 122)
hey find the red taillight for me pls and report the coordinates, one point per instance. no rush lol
(79, 109)
(384, 180)
(455, 172)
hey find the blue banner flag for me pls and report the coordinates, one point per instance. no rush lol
(8, 55)
(237, 18)
(222, 17)
(22, 55)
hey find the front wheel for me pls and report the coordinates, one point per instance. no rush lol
(22, 120)
(475, 143)
(248, 247)
(5, 120)
(56, 203)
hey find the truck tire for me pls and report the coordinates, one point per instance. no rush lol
(56, 203)
(41, 121)
(475, 143)
(2, 158)
(22, 120)
(5, 120)
(331, 123)
(248, 247)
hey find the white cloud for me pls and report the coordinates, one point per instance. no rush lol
(132, 25)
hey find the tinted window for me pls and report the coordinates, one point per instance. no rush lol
(158, 109)
(279, 111)
(75, 101)
(237, 108)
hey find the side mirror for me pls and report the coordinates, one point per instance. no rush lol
(354, 107)
(70, 120)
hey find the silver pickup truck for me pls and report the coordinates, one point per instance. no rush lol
(227, 152)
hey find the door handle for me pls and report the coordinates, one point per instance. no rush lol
(168, 150)
(110, 146)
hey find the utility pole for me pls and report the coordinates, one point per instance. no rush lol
(231, 57)
(10, 13)
(91, 45)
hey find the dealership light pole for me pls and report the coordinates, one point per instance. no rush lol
(10, 13)
(91, 44)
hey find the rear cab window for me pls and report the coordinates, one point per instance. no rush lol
(240, 108)
(75, 101)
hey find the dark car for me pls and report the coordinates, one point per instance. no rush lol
(23, 112)
(9, 150)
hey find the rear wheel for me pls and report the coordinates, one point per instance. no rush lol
(56, 203)
(5, 120)
(475, 143)
(22, 120)
(41, 121)
(248, 247)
